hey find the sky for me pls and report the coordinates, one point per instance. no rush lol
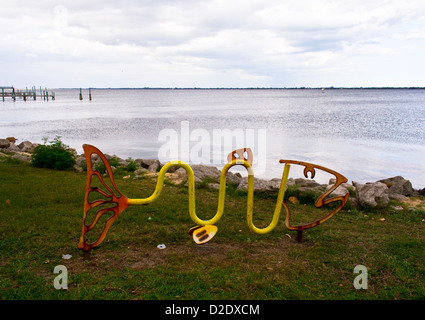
(212, 43)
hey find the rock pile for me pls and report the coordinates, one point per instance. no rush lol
(363, 195)
(21, 151)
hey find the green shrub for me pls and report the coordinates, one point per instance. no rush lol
(84, 165)
(132, 165)
(114, 161)
(55, 155)
(100, 167)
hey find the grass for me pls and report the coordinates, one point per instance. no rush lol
(41, 216)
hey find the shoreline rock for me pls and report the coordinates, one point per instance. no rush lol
(362, 195)
(372, 195)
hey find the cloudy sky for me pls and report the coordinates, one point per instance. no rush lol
(212, 43)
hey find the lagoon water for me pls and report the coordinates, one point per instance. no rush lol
(365, 134)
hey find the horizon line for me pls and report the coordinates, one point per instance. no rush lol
(239, 88)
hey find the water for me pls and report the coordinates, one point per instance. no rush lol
(366, 135)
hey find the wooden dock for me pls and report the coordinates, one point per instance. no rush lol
(11, 92)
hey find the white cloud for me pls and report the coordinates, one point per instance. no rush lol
(213, 43)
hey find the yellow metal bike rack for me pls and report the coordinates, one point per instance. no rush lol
(118, 202)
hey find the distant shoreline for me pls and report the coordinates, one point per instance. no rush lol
(252, 88)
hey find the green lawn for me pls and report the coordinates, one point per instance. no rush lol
(41, 216)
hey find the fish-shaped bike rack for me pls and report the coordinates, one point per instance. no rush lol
(114, 202)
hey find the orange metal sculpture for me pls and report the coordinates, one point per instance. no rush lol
(321, 201)
(113, 202)
(114, 198)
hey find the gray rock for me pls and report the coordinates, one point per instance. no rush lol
(79, 160)
(307, 183)
(202, 172)
(122, 163)
(290, 182)
(26, 146)
(178, 176)
(140, 173)
(154, 167)
(372, 195)
(215, 186)
(397, 197)
(398, 186)
(12, 148)
(338, 192)
(151, 164)
(4, 143)
(274, 184)
(95, 158)
(23, 156)
(260, 185)
(170, 170)
(233, 178)
(342, 189)
(73, 150)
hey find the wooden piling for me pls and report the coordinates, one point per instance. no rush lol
(81, 95)
(89, 94)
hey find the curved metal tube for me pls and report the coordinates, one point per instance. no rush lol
(222, 194)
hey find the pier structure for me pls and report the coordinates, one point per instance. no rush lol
(11, 92)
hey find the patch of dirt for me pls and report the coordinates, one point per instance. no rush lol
(140, 258)
(415, 202)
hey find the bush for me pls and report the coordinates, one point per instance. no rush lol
(132, 165)
(56, 155)
(114, 161)
(99, 166)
